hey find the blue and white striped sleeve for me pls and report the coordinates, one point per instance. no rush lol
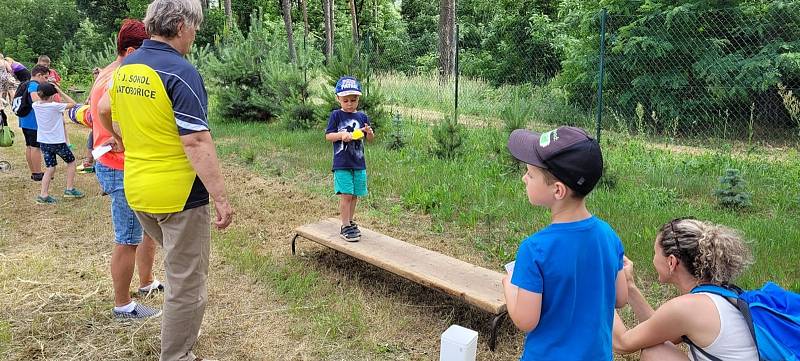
(189, 102)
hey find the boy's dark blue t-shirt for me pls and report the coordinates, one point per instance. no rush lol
(574, 266)
(348, 155)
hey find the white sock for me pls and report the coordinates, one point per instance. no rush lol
(153, 285)
(127, 308)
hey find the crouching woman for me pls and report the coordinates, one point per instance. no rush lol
(688, 253)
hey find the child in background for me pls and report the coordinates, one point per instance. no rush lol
(568, 277)
(346, 129)
(53, 77)
(52, 137)
(20, 71)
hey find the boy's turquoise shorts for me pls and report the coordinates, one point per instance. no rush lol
(350, 181)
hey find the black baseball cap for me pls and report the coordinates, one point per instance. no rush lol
(47, 89)
(569, 153)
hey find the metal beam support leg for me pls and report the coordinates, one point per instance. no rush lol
(496, 322)
(294, 241)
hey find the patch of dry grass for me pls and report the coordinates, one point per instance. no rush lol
(55, 285)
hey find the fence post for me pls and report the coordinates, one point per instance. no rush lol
(601, 70)
(368, 59)
(305, 62)
(456, 71)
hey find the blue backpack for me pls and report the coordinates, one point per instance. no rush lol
(772, 314)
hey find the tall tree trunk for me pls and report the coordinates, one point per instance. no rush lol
(228, 13)
(287, 21)
(354, 22)
(329, 26)
(204, 4)
(305, 17)
(447, 52)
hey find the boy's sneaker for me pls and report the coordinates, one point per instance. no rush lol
(45, 200)
(139, 312)
(348, 233)
(151, 289)
(73, 193)
(357, 231)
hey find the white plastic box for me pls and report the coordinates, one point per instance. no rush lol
(459, 344)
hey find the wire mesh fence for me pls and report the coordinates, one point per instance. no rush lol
(712, 74)
(691, 75)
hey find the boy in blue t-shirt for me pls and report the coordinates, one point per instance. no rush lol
(33, 154)
(347, 128)
(567, 278)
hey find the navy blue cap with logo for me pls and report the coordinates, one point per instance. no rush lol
(347, 85)
(569, 153)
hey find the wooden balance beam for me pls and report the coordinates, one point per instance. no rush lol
(474, 285)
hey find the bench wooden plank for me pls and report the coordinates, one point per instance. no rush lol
(475, 285)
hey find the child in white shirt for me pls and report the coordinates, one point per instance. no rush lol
(52, 138)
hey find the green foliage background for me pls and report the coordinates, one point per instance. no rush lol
(692, 66)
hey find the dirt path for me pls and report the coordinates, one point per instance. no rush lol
(55, 287)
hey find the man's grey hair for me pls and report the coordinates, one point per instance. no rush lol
(164, 16)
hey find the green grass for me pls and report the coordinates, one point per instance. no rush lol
(482, 193)
(478, 98)
(5, 336)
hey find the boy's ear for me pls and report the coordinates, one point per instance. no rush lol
(129, 50)
(561, 191)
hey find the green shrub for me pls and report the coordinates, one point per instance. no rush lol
(497, 140)
(448, 138)
(252, 76)
(731, 192)
(213, 26)
(292, 87)
(609, 179)
(249, 156)
(19, 49)
(300, 116)
(236, 75)
(396, 137)
(89, 49)
(516, 114)
(201, 56)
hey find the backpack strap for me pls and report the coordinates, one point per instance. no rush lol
(729, 291)
(693, 348)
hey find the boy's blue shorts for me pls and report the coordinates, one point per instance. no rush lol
(350, 181)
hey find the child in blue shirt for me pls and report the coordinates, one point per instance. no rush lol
(568, 277)
(347, 128)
